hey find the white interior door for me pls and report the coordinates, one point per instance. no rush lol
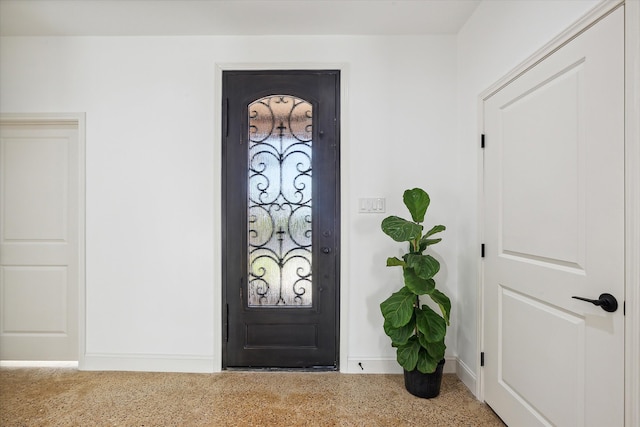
(39, 238)
(554, 229)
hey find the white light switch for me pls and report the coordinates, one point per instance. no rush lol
(372, 205)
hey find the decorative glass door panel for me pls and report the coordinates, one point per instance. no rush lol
(280, 202)
(280, 219)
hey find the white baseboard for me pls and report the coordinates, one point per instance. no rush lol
(370, 365)
(450, 365)
(199, 364)
(367, 365)
(38, 364)
(467, 376)
(147, 363)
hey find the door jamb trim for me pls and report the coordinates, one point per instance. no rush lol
(632, 214)
(344, 216)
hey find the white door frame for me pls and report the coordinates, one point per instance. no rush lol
(77, 119)
(632, 189)
(344, 199)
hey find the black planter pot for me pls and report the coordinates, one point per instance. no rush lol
(424, 385)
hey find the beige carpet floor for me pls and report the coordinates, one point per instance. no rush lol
(67, 397)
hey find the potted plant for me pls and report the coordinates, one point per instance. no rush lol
(417, 331)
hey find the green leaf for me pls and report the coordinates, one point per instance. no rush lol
(425, 243)
(400, 229)
(422, 340)
(430, 324)
(400, 336)
(417, 284)
(435, 229)
(427, 364)
(432, 347)
(443, 301)
(398, 308)
(407, 354)
(425, 266)
(417, 201)
(393, 261)
(436, 350)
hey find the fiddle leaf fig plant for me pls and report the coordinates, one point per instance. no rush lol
(417, 331)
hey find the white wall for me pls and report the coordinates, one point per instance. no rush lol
(152, 276)
(153, 281)
(498, 36)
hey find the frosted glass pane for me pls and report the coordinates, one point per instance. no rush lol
(279, 216)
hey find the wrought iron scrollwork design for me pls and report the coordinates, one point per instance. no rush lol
(279, 216)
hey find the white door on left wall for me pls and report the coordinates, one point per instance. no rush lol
(40, 262)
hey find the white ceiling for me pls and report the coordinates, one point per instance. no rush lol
(232, 17)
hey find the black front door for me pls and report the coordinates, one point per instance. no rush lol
(280, 219)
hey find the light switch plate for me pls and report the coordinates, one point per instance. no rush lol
(372, 205)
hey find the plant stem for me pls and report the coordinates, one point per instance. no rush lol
(417, 305)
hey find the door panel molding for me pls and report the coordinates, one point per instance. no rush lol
(65, 121)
